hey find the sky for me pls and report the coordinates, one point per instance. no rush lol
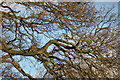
(98, 4)
(107, 4)
(106, 0)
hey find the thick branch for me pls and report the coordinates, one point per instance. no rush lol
(26, 52)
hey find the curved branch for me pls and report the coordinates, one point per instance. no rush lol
(38, 51)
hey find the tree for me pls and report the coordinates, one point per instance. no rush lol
(67, 38)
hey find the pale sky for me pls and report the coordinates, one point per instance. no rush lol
(107, 4)
(106, 0)
(98, 4)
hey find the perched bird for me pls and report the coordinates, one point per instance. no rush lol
(58, 16)
(11, 75)
(33, 48)
(66, 36)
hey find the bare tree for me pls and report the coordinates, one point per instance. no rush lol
(71, 40)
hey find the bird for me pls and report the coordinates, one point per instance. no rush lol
(66, 36)
(58, 17)
(33, 48)
(11, 75)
